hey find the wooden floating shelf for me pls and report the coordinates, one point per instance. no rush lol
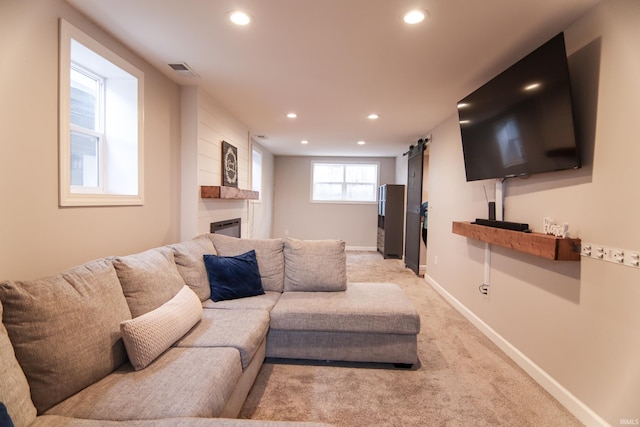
(538, 244)
(223, 192)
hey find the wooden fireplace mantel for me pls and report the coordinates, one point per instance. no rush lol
(223, 192)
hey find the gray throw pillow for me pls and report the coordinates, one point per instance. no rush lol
(269, 253)
(315, 265)
(188, 257)
(148, 279)
(65, 329)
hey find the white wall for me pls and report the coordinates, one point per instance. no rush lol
(402, 170)
(578, 322)
(261, 211)
(296, 216)
(36, 236)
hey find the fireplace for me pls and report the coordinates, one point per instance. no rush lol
(229, 227)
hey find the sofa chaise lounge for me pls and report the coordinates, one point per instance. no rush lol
(168, 336)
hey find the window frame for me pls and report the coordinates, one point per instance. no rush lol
(259, 152)
(94, 196)
(345, 164)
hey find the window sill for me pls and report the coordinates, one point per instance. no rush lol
(75, 199)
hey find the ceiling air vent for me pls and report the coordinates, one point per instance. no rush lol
(262, 137)
(183, 69)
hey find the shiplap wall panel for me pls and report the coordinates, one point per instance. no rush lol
(214, 126)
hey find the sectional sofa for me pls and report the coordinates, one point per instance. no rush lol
(176, 335)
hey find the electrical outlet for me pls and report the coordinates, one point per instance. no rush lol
(598, 252)
(484, 290)
(632, 259)
(614, 255)
(617, 256)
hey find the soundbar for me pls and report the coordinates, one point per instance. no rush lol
(515, 226)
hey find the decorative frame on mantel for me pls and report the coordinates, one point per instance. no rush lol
(229, 165)
(229, 188)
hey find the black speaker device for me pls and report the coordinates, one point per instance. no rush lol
(492, 210)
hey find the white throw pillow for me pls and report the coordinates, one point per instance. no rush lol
(147, 336)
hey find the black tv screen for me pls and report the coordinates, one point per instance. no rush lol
(521, 121)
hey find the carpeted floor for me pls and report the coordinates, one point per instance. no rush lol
(462, 379)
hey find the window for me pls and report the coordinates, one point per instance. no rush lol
(101, 138)
(86, 133)
(256, 172)
(344, 182)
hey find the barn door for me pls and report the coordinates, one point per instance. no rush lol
(413, 230)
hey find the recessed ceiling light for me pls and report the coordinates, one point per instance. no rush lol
(373, 116)
(414, 17)
(532, 86)
(361, 142)
(240, 18)
(463, 105)
(465, 122)
(292, 115)
(304, 141)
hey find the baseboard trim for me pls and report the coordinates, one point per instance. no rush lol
(574, 405)
(361, 248)
(422, 269)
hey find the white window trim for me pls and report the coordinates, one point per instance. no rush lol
(344, 162)
(259, 151)
(66, 197)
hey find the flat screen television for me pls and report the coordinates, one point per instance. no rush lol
(521, 122)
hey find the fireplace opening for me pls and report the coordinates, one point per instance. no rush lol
(229, 227)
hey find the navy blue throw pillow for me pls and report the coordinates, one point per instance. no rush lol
(5, 419)
(232, 277)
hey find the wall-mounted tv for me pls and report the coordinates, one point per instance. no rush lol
(521, 122)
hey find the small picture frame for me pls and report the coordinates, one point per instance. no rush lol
(229, 165)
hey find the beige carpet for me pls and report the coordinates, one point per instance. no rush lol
(462, 379)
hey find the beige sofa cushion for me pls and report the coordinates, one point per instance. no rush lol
(65, 329)
(14, 389)
(380, 308)
(188, 257)
(183, 382)
(269, 253)
(241, 329)
(148, 279)
(149, 335)
(315, 265)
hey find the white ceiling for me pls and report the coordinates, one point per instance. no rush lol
(333, 62)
